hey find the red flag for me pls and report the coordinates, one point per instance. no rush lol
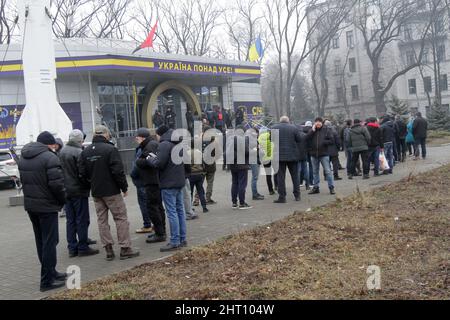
(148, 43)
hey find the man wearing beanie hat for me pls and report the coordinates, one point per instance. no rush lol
(172, 181)
(102, 167)
(77, 194)
(44, 196)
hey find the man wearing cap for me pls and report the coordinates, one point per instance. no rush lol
(44, 196)
(77, 195)
(102, 167)
(149, 179)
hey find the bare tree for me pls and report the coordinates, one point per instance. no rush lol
(286, 21)
(110, 21)
(8, 14)
(243, 23)
(380, 22)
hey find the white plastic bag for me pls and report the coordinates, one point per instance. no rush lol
(384, 165)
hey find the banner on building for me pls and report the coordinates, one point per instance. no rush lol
(10, 115)
(253, 112)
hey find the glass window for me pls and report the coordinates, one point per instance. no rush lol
(408, 32)
(443, 82)
(412, 86)
(350, 40)
(427, 84)
(355, 93)
(339, 94)
(336, 42)
(5, 157)
(352, 64)
(337, 67)
(441, 53)
(410, 58)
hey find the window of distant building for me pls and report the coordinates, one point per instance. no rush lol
(355, 93)
(412, 85)
(443, 83)
(339, 94)
(408, 32)
(336, 42)
(337, 67)
(410, 58)
(441, 53)
(350, 39)
(352, 64)
(439, 26)
(427, 84)
(426, 56)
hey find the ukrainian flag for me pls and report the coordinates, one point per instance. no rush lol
(256, 51)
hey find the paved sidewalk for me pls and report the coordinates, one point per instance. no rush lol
(19, 266)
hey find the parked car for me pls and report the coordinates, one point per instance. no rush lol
(9, 171)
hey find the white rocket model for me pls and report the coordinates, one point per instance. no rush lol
(42, 111)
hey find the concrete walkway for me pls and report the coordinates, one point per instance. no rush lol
(19, 266)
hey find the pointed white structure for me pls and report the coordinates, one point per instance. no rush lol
(42, 111)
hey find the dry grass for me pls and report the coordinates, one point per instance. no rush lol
(404, 228)
(438, 138)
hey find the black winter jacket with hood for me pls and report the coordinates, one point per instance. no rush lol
(42, 178)
(70, 157)
(320, 140)
(143, 174)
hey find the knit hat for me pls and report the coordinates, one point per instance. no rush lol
(46, 138)
(162, 130)
(76, 136)
(101, 130)
(308, 124)
(143, 133)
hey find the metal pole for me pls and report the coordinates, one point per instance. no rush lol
(92, 103)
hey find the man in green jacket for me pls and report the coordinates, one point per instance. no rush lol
(359, 140)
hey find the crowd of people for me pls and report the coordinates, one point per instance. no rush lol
(54, 177)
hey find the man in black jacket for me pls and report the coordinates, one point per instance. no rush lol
(288, 154)
(401, 131)
(149, 179)
(77, 194)
(320, 138)
(172, 182)
(334, 149)
(102, 167)
(171, 118)
(375, 144)
(158, 119)
(388, 138)
(420, 131)
(44, 196)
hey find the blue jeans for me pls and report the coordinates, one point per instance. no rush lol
(142, 200)
(389, 153)
(255, 177)
(349, 156)
(325, 161)
(374, 157)
(77, 224)
(303, 172)
(174, 203)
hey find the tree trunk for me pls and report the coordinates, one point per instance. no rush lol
(379, 94)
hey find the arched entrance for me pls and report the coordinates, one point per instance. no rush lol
(168, 86)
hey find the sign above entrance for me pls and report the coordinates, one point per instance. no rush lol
(113, 62)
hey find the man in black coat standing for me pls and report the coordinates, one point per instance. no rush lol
(420, 131)
(288, 154)
(158, 119)
(101, 167)
(77, 203)
(44, 196)
(401, 131)
(171, 118)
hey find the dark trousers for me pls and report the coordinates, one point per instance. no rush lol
(411, 148)
(269, 177)
(77, 224)
(45, 226)
(365, 162)
(335, 162)
(401, 150)
(156, 209)
(142, 201)
(293, 170)
(197, 182)
(420, 144)
(239, 185)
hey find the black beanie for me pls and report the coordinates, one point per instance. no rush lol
(162, 130)
(143, 133)
(46, 138)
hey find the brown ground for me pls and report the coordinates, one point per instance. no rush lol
(403, 228)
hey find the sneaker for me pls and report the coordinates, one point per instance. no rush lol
(350, 177)
(196, 203)
(61, 276)
(211, 202)
(170, 247)
(235, 206)
(205, 210)
(155, 239)
(62, 215)
(145, 230)
(366, 177)
(54, 285)
(184, 244)
(89, 252)
(272, 193)
(308, 188)
(91, 242)
(245, 206)
(332, 192)
(280, 200)
(190, 217)
(258, 197)
(297, 199)
(337, 178)
(110, 256)
(314, 191)
(73, 254)
(128, 253)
